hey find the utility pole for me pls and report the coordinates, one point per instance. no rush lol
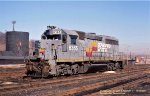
(13, 22)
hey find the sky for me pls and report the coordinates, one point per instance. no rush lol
(128, 21)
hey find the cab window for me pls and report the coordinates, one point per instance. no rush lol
(54, 37)
(73, 39)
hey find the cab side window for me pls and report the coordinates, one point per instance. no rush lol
(64, 38)
(73, 39)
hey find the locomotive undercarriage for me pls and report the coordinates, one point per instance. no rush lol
(42, 68)
(71, 68)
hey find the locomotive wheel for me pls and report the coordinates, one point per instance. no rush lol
(110, 67)
(113, 68)
(75, 69)
(116, 66)
(121, 66)
(86, 67)
(45, 71)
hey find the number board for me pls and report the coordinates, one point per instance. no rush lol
(75, 48)
(56, 31)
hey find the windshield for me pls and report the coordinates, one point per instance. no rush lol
(54, 37)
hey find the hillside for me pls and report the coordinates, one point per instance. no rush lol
(2, 41)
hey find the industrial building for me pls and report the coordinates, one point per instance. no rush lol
(17, 47)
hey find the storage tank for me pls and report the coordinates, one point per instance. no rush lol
(17, 42)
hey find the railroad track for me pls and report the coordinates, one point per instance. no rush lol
(44, 81)
(99, 85)
(54, 86)
(123, 88)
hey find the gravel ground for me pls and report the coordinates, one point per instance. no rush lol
(12, 75)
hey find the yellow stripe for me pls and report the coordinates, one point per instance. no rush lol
(81, 60)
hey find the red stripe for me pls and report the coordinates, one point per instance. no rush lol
(89, 54)
(94, 48)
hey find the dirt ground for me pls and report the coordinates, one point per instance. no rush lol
(12, 72)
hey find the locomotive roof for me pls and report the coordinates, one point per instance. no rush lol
(109, 37)
(92, 35)
(83, 35)
(71, 32)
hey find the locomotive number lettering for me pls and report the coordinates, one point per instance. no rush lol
(73, 48)
(57, 32)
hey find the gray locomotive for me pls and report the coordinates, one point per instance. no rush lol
(62, 52)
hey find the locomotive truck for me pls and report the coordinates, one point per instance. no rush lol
(67, 52)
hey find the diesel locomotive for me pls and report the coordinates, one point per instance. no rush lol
(67, 52)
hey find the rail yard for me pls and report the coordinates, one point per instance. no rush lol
(70, 63)
(132, 80)
(75, 48)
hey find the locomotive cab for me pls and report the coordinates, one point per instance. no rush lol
(46, 51)
(54, 46)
